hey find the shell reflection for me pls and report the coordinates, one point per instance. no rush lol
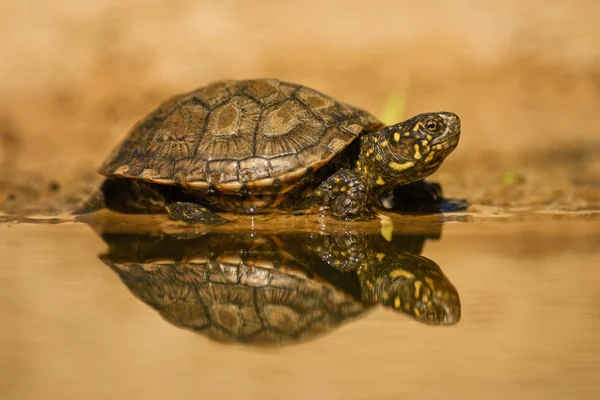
(275, 289)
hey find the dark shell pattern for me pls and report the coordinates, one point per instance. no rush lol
(235, 301)
(234, 133)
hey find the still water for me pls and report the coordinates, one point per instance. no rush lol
(142, 309)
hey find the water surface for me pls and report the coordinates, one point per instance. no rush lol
(72, 326)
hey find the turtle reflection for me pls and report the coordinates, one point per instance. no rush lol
(275, 289)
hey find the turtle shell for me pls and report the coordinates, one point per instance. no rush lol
(234, 133)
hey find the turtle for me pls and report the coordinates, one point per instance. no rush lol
(274, 289)
(265, 145)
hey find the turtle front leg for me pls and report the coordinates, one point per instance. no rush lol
(193, 213)
(345, 194)
(345, 252)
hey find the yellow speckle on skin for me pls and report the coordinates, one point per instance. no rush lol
(430, 283)
(343, 189)
(438, 294)
(430, 156)
(358, 164)
(416, 128)
(380, 181)
(416, 312)
(397, 302)
(366, 170)
(380, 256)
(417, 152)
(425, 298)
(418, 285)
(424, 143)
(396, 136)
(337, 180)
(429, 138)
(375, 139)
(378, 157)
(401, 167)
(406, 134)
(387, 230)
(401, 272)
(383, 143)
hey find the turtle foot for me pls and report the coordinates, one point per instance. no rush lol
(193, 213)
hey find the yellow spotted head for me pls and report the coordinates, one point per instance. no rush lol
(411, 150)
(424, 139)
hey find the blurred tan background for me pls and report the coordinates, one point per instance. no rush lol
(523, 75)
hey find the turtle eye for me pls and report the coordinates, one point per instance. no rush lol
(433, 126)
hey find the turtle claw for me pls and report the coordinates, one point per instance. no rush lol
(193, 213)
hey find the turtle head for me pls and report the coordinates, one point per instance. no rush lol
(411, 284)
(408, 151)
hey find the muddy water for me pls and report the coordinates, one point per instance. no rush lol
(87, 313)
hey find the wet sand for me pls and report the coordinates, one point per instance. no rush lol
(529, 327)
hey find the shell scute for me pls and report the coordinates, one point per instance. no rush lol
(253, 169)
(190, 170)
(222, 171)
